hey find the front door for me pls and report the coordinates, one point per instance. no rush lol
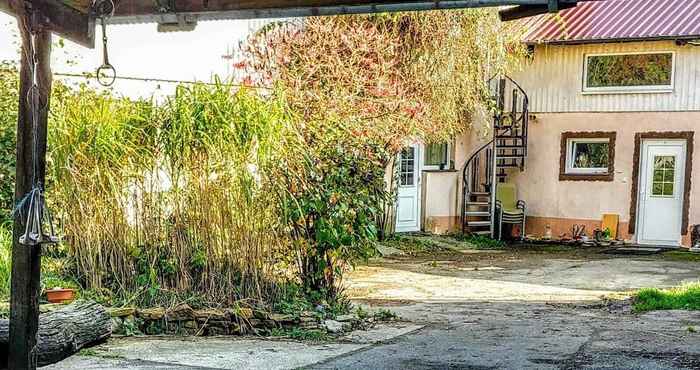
(408, 197)
(662, 179)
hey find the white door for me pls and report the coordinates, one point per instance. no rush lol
(662, 172)
(408, 197)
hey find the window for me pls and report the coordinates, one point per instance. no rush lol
(640, 72)
(587, 156)
(437, 155)
(407, 166)
(664, 176)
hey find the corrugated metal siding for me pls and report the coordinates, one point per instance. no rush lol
(553, 80)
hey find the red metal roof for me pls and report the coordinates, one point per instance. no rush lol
(617, 20)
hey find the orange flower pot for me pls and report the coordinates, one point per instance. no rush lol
(58, 295)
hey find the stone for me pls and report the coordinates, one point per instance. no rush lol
(255, 323)
(347, 318)
(307, 314)
(151, 313)
(210, 314)
(190, 324)
(281, 318)
(117, 323)
(333, 326)
(122, 311)
(181, 312)
(242, 313)
(216, 330)
(270, 324)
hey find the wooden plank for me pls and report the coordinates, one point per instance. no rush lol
(26, 261)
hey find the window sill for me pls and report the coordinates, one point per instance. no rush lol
(439, 171)
(586, 177)
(627, 91)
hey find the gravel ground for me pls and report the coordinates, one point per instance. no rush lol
(514, 309)
(525, 310)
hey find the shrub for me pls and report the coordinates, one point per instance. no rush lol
(331, 213)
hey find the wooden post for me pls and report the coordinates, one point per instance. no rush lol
(26, 261)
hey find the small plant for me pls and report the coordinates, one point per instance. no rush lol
(296, 333)
(385, 315)
(691, 329)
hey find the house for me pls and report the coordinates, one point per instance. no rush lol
(606, 112)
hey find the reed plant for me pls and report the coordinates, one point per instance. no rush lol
(165, 202)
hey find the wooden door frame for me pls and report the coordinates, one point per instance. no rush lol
(688, 136)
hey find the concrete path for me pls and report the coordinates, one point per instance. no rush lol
(512, 310)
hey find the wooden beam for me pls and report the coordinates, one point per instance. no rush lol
(26, 261)
(59, 18)
(166, 11)
(523, 11)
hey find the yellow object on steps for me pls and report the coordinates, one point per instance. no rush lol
(610, 221)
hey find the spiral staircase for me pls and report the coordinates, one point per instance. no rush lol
(495, 160)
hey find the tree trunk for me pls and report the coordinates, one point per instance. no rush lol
(64, 332)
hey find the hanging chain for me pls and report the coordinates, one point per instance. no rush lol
(37, 214)
(106, 74)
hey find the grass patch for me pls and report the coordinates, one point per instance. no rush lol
(682, 256)
(684, 297)
(483, 242)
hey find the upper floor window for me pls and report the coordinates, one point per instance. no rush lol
(637, 72)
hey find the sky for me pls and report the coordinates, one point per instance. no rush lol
(141, 51)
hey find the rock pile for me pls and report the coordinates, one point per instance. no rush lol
(183, 320)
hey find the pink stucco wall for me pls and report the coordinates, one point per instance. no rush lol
(548, 197)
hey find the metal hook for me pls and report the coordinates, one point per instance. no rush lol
(106, 74)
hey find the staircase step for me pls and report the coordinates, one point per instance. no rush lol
(481, 232)
(509, 137)
(478, 203)
(477, 213)
(510, 147)
(479, 194)
(507, 165)
(510, 156)
(478, 223)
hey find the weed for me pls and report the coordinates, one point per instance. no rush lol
(385, 315)
(296, 333)
(484, 242)
(691, 329)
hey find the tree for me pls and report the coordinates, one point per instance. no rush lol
(362, 86)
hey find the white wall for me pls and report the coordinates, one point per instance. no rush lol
(553, 80)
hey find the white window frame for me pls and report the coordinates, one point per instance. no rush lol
(570, 169)
(629, 89)
(435, 167)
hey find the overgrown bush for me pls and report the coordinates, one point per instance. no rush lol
(332, 212)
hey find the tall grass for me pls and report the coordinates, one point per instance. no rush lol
(159, 202)
(5, 262)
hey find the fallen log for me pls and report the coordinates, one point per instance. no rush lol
(63, 332)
